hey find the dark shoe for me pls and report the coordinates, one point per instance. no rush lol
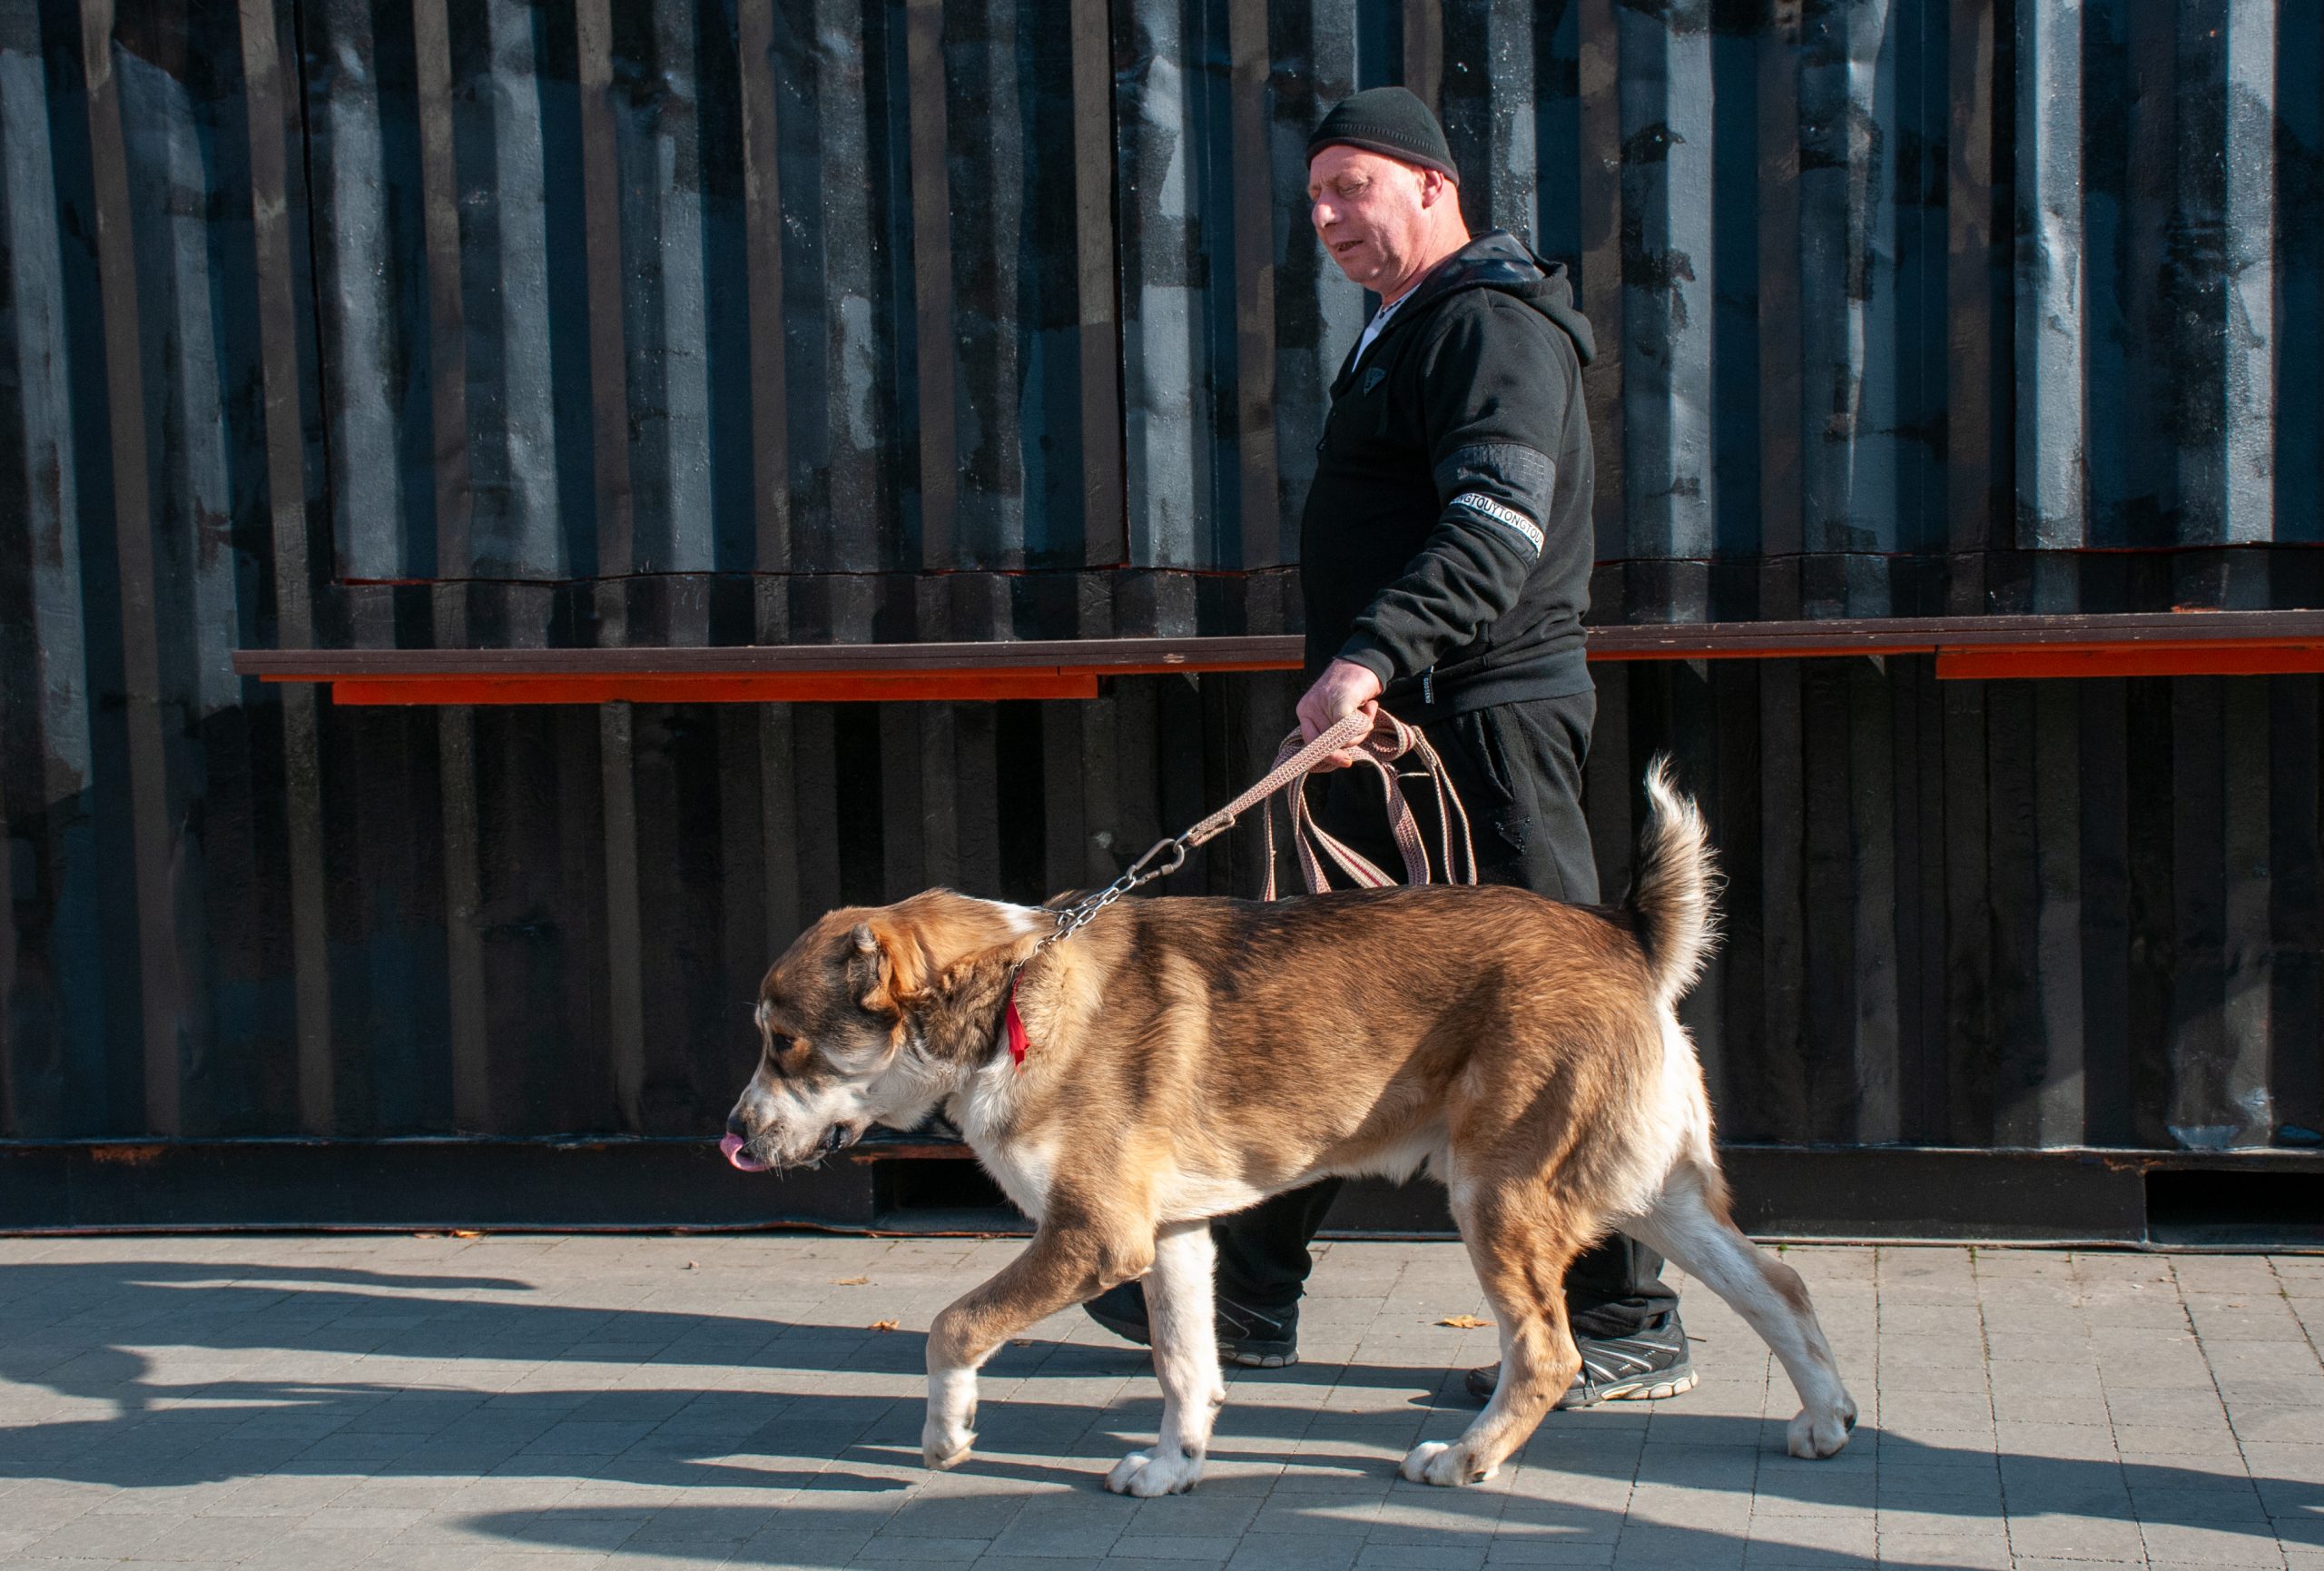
(1649, 1364)
(1254, 1338)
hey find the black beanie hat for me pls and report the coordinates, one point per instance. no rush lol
(1390, 121)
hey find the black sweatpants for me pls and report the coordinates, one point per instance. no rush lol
(1518, 768)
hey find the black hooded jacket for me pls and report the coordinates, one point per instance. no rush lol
(1446, 543)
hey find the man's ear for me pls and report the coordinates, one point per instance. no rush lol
(889, 967)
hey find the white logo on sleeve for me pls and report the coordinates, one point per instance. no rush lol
(1508, 517)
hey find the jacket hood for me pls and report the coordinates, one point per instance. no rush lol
(1498, 260)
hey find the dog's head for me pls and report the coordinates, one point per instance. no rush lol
(871, 1017)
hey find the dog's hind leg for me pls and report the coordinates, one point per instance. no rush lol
(1186, 1361)
(1694, 1231)
(1520, 1237)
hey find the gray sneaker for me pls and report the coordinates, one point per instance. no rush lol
(1650, 1363)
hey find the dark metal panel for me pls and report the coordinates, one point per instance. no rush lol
(1669, 275)
(57, 965)
(2249, 962)
(842, 390)
(1424, 47)
(786, 912)
(762, 223)
(161, 998)
(1782, 391)
(523, 301)
(2057, 786)
(624, 953)
(603, 264)
(1598, 196)
(2103, 805)
(670, 97)
(931, 271)
(2296, 916)
(1832, 1092)
(2200, 1111)
(1781, 1102)
(1773, 178)
(271, 124)
(1097, 322)
(658, 236)
(1854, 496)
(1978, 222)
(1873, 810)
(447, 373)
(2297, 227)
(471, 1046)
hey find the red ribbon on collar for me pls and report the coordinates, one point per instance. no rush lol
(1019, 1039)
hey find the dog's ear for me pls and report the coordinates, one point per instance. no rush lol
(888, 968)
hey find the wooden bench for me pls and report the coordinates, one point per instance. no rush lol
(2144, 644)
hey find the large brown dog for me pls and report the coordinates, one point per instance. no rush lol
(1189, 1057)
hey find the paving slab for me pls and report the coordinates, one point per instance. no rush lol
(652, 1403)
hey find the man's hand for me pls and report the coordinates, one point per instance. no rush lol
(1344, 688)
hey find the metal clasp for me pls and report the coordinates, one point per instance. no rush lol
(1073, 918)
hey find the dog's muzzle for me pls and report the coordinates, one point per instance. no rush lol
(737, 1150)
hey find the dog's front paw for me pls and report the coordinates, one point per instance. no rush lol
(1814, 1435)
(1434, 1462)
(945, 1445)
(1146, 1475)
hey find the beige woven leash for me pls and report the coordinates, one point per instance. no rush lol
(1378, 743)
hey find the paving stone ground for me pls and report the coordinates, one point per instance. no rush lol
(546, 1402)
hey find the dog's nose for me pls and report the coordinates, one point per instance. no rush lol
(735, 1126)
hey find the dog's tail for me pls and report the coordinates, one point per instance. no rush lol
(1673, 898)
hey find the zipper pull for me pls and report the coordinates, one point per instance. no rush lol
(1428, 685)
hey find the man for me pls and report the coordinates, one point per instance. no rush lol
(1444, 561)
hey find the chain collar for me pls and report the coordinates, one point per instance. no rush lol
(1073, 918)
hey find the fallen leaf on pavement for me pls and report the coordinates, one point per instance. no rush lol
(850, 1281)
(467, 1233)
(1463, 1322)
(884, 1325)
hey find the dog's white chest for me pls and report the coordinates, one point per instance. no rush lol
(1023, 1170)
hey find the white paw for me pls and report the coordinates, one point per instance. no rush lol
(1146, 1475)
(944, 1444)
(1434, 1462)
(1814, 1435)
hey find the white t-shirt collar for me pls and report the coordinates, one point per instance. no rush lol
(1373, 328)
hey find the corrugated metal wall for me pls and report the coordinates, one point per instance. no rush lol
(787, 320)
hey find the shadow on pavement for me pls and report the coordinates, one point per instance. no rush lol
(789, 1453)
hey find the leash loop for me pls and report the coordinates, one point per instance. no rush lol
(1378, 743)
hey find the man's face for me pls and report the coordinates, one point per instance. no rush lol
(1371, 213)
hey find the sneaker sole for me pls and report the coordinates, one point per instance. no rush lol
(1645, 1388)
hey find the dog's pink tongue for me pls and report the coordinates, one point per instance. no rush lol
(732, 1149)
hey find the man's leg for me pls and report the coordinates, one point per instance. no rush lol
(1518, 768)
(1615, 1289)
(1262, 1252)
(1262, 1266)
(1517, 771)
(1263, 1259)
